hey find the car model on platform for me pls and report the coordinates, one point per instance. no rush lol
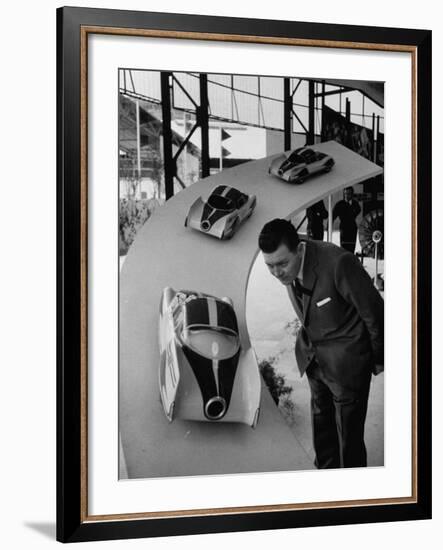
(296, 166)
(204, 373)
(222, 213)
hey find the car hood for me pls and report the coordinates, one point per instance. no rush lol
(201, 211)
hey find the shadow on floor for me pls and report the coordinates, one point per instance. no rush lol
(46, 529)
(374, 425)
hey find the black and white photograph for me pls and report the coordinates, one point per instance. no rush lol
(243, 329)
(204, 245)
(251, 273)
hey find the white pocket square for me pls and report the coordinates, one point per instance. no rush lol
(323, 302)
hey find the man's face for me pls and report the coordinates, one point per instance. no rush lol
(283, 263)
(348, 194)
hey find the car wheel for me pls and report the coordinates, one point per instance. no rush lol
(327, 168)
(232, 232)
(301, 178)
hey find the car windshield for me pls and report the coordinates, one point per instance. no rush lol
(221, 203)
(210, 327)
(295, 158)
(307, 155)
(211, 342)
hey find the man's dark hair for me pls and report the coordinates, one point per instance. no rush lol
(277, 232)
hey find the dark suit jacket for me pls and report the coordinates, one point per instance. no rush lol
(343, 318)
(316, 214)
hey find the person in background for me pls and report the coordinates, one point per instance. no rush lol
(316, 214)
(341, 340)
(347, 210)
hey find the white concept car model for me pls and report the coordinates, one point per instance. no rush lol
(297, 165)
(204, 374)
(222, 213)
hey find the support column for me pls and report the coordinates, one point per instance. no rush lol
(137, 118)
(378, 135)
(323, 90)
(374, 142)
(348, 110)
(169, 164)
(330, 219)
(310, 138)
(287, 115)
(203, 121)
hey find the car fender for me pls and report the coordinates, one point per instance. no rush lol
(293, 173)
(248, 208)
(169, 379)
(195, 213)
(246, 394)
(219, 227)
(276, 163)
(189, 403)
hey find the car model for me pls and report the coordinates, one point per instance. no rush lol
(222, 212)
(295, 166)
(204, 374)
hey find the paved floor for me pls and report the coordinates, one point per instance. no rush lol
(374, 429)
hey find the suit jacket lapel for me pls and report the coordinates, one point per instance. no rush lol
(309, 276)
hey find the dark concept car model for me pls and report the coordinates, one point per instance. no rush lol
(295, 166)
(204, 374)
(222, 212)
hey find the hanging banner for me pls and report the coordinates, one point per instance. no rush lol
(357, 138)
(334, 127)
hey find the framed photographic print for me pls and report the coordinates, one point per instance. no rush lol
(223, 197)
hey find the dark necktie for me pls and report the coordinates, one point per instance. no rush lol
(299, 290)
(298, 293)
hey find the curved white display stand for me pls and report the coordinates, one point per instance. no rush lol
(165, 253)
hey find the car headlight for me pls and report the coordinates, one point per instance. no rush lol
(215, 408)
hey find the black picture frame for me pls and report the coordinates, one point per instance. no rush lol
(73, 24)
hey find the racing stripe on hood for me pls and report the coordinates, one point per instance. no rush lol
(210, 214)
(215, 378)
(227, 370)
(213, 321)
(196, 312)
(232, 193)
(220, 190)
(212, 312)
(204, 374)
(226, 316)
(202, 368)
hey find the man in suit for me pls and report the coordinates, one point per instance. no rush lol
(347, 211)
(340, 343)
(316, 214)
